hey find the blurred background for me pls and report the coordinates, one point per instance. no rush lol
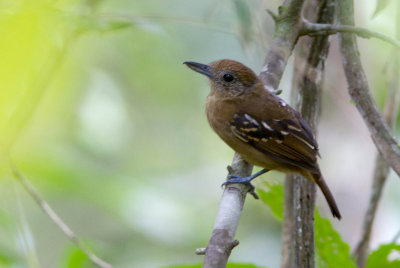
(101, 116)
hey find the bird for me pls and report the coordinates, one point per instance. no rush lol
(261, 127)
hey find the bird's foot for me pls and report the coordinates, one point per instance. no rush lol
(242, 180)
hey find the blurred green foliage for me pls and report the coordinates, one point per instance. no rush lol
(331, 250)
(98, 112)
(75, 258)
(274, 198)
(386, 256)
(229, 265)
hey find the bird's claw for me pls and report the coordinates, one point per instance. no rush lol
(241, 180)
(237, 179)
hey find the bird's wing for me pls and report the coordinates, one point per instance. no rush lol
(286, 140)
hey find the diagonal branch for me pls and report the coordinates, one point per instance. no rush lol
(222, 239)
(381, 171)
(287, 29)
(381, 167)
(360, 93)
(56, 219)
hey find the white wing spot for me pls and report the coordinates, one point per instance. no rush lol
(251, 119)
(239, 137)
(305, 142)
(253, 129)
(294, 128)
(253, 138)
(283, 103)
(248, 117)
(266, 126)
(284, 132)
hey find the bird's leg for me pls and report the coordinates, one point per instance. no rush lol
(244, 180)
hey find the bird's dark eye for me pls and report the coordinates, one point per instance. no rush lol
(228, 77)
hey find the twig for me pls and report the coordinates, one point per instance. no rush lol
(26, 235)
(56, 219)
(360, 93)
(222, 238)
(138, 20)
(396, 237)
(273, 15)
(381, 167)
(313, 29)
(381, 172)
(298, 232)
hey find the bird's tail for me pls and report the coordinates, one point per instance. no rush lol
(328, 195)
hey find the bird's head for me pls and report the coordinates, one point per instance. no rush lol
(227, 77)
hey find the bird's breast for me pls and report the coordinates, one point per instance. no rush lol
(219, 113)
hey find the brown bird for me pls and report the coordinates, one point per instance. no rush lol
(260, 126)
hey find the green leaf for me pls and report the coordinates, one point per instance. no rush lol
(229, 265)
(386, 256)
(380, 5)
(331, 250)
(75, 258)
(274, 199)
(10, 259)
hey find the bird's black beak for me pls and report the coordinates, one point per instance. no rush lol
(200, 68)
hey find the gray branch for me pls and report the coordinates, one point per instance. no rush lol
(360, 93)
(287, 27)
(298, 229)
(222, 239)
